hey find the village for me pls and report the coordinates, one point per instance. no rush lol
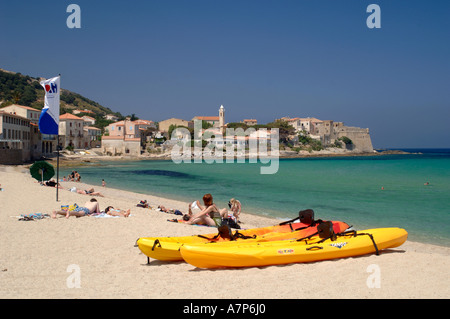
(22, 142)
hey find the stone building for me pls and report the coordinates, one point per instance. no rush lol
(71, 132)
(15, 138)
(329, 131)
(164, 125)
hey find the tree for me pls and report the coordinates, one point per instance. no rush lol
(16, 95)
(346, 140)
(236, 125)
(206, 125)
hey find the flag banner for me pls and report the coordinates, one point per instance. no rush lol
(49, 119)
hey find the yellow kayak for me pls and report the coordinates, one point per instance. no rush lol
(254, 254)
(168, 248)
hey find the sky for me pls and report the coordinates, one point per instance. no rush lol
(260, 59)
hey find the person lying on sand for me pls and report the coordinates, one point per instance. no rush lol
(117, 212)
(161, 208)
(169, 211)
(91, 192)
(52, 183)
(89, 208)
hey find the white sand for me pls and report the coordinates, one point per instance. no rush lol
(36, 256)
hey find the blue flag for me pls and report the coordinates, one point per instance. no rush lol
(49, 119)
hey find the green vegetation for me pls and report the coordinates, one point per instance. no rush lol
(346, 140)
(16, 88)
(308, 143)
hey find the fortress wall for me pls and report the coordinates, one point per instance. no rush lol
(360, 137)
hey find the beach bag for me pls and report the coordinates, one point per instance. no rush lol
(231, 223)
(143, 204)
(325, 230)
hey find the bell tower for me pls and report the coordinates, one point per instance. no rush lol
(222, 119)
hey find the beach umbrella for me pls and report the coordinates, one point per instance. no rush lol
(42, 171)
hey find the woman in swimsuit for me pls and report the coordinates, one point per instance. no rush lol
(235, 207)
(117, 212)
(204, 217)
(91, 192)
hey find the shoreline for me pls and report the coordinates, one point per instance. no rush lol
(35, 255)
(79, 159)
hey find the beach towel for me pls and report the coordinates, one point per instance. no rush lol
(69, 207)
(182, 221)
(104, 215)
(35, 216)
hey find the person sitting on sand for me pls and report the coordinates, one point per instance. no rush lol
(194, 205)
(91, 192)
(204, 216)
(89, 208)
(117, 212)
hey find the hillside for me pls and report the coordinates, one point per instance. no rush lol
(16, 88)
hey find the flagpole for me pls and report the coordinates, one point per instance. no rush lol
(57, 166)
(57, 153)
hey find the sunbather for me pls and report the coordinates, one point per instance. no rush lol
(91, 192)
(52, 183)
(89, 208)
(117, 212)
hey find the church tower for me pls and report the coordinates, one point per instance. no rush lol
(222, 119)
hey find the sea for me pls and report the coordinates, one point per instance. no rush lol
(411, 191)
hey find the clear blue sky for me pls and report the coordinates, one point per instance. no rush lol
(260, 59)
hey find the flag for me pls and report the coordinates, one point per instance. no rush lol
(49, 119)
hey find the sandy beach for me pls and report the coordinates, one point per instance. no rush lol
(38, 258)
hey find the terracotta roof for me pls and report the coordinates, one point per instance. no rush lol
(25, 107)
(85, 111)
(142, 122)
(207, 118)
(68, 116)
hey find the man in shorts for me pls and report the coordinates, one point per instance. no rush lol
(89, 208)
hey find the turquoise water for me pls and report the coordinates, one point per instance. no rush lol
(338, 188)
